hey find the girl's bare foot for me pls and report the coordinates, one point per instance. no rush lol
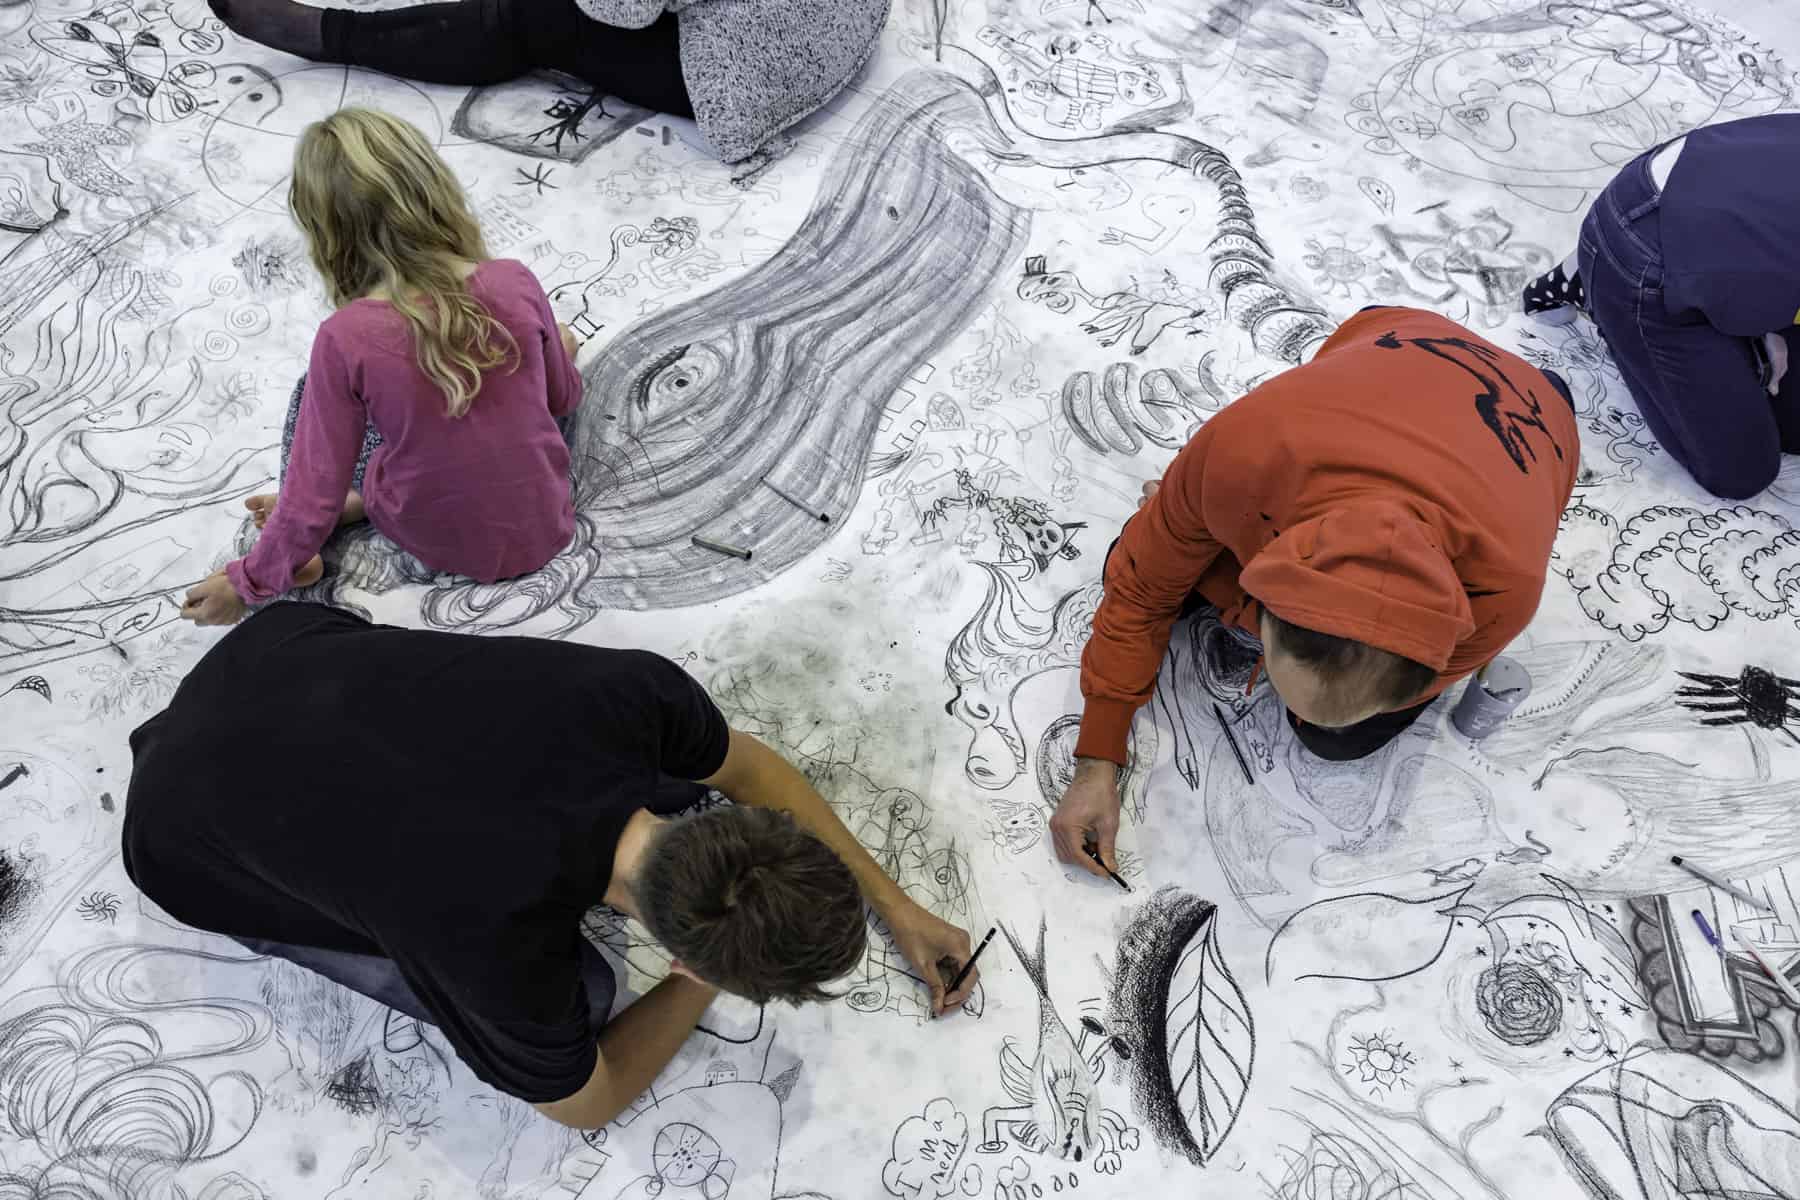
(353, 509)
(311, 573)
(260, 507)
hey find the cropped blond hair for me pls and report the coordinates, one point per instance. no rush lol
(381, 210)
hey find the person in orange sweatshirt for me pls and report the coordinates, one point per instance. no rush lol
(1381, 518)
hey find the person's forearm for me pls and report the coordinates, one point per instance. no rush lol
(774, 783)
(638, 1044)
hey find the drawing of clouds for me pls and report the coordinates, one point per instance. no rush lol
(1584, 543)
(1620, 599)
(1716, 547)
(1773, 569)
(927, 1153)
(1670, 563)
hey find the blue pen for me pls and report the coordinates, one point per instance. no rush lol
(1706, 931)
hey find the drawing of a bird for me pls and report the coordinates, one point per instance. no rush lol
(1054, 1093)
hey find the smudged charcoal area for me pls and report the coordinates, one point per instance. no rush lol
(18, 887)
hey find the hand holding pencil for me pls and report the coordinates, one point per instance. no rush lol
(1088, 815)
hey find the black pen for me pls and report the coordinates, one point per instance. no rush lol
(970, 965)
(1219, 715)
(1093, 852)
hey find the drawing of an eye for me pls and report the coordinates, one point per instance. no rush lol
(147, 38)
(80, 32)
(677, 378)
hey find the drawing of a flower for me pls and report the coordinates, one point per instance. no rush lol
(1518, 1005)
(1380, 1062)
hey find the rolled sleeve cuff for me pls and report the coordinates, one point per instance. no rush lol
(1105, 730)
(246, 590)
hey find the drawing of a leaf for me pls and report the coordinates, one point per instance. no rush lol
(1191, 1034)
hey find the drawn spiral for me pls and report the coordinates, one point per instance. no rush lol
(216, 345)
(1518, 1005)
(248, 319)
(223, 284)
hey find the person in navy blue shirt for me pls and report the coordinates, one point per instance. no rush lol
(1689, 263)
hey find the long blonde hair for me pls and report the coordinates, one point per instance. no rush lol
(381, 211)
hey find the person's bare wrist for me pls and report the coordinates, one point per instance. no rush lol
(1097, 768)
(892, 904)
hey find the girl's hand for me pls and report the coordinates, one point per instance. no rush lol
(213, 601)
(570, 345)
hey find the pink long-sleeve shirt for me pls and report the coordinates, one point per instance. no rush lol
(484, 495)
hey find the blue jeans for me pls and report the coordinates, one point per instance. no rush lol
(1702, 393)
(380, 980)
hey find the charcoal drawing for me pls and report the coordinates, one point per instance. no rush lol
(687, 413)
(1056, 1109)
(1625, 1129)
(920, 356)
(1175, 1001)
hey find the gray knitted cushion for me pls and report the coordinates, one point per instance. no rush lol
(754, 67)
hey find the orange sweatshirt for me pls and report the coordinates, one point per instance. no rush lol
(1402, 489)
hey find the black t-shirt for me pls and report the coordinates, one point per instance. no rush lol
(450, 802)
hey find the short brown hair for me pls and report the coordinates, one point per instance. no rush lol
(753, 903)
(1393, 680)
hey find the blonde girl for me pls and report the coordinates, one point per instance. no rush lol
(431, 401)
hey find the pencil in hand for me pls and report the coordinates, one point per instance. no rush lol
(945, 965)
(1093, 852)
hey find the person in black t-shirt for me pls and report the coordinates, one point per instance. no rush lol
(425, 817)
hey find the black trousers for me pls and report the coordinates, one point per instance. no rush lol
(491, 41)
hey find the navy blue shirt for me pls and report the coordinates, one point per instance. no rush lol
(449, 802)
(1731, 226)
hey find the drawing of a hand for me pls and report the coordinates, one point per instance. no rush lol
(1112, 236)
